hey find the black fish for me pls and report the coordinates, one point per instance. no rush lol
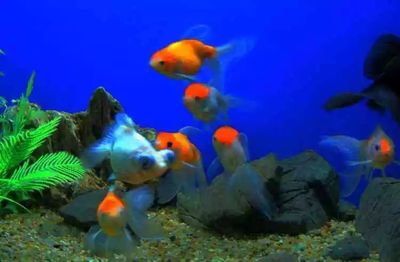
(382, 66)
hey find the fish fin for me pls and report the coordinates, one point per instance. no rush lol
(236, 102)
(167, 188)
(358, 163)
(201, 178)
(349, 180)
(189, 78)
(214, 169)
(384, 49)
(383, 172)
(343, 100)
(138, 201)
(375, 106)
(96, 153)
(384, 96)
(190, 131)
(186, 178)
(245, 144)
(248, 182)
(124, 119)
(199, 32)
(100, 244)
(226, 55)
(347, 146)
(396, 162)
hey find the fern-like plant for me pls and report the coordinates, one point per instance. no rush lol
(49, 170)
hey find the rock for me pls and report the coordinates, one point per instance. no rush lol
(305, 190)
(350, 248)
(347, 211)
(278, 257)
(378, 217)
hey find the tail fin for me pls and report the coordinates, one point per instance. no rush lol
(138, 201)
(199, 32)
(226, 55)
(385, 48)
(248, 182)
(167, 188)
(348, 147)
(343, 100)
(100, 244)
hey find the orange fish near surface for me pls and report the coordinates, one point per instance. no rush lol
(362, 156)
(187, 169)
(183, 59)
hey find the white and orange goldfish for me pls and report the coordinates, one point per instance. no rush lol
(186, 171)
(206, 103)
(362, 156)
(133, 159)
(117, 219)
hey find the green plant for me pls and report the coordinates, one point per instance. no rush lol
(14, 119)
(49, 170)
(1, 53)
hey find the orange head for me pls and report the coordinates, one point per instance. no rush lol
(180, 144)
(197, 91)
(380, 148)
(226, 135)
(164, 62)
(111, 214)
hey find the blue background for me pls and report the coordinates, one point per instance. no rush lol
(306, 51)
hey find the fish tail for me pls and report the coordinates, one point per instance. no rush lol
(348, 147)
(167, 188)
(138, 201)
(349, 180)
(101, 149)
(100, 244)
(343, 100)
(226, 55)
(248, 182)
(199, 32)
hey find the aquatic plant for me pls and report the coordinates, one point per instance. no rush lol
(16, 118)
(1, 53)
(49, 170)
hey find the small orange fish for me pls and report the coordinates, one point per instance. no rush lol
(117, 219)
(362, 156)
(182, 59)
(186, 171)
(231, 148)
(206, 103)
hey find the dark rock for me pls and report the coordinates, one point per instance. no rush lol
(378, 217)
(350, 248)
(347, 211)
(305, 190)
(278, 257)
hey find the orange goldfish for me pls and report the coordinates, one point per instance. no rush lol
(187, 169)
(117, 219)
(362, 156)
(206, 103)
(183, 59)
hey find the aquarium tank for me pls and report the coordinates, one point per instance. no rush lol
(199, 130)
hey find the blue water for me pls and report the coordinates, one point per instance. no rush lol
(304, 53)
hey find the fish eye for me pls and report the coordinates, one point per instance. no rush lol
(146, 162)
(377, 147)
(169, 144)
(161, 63)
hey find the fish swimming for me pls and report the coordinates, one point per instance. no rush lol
(362, 157)
(231, 149)
(186, 171)
(118, 218)
(382, 66)
(206, 103)
(133, 159)
(183, 59)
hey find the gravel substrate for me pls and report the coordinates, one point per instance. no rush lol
(41, 236)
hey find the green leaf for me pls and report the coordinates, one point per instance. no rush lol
(14, 202)
(29, 87)
(49, 170)
(16, 148)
